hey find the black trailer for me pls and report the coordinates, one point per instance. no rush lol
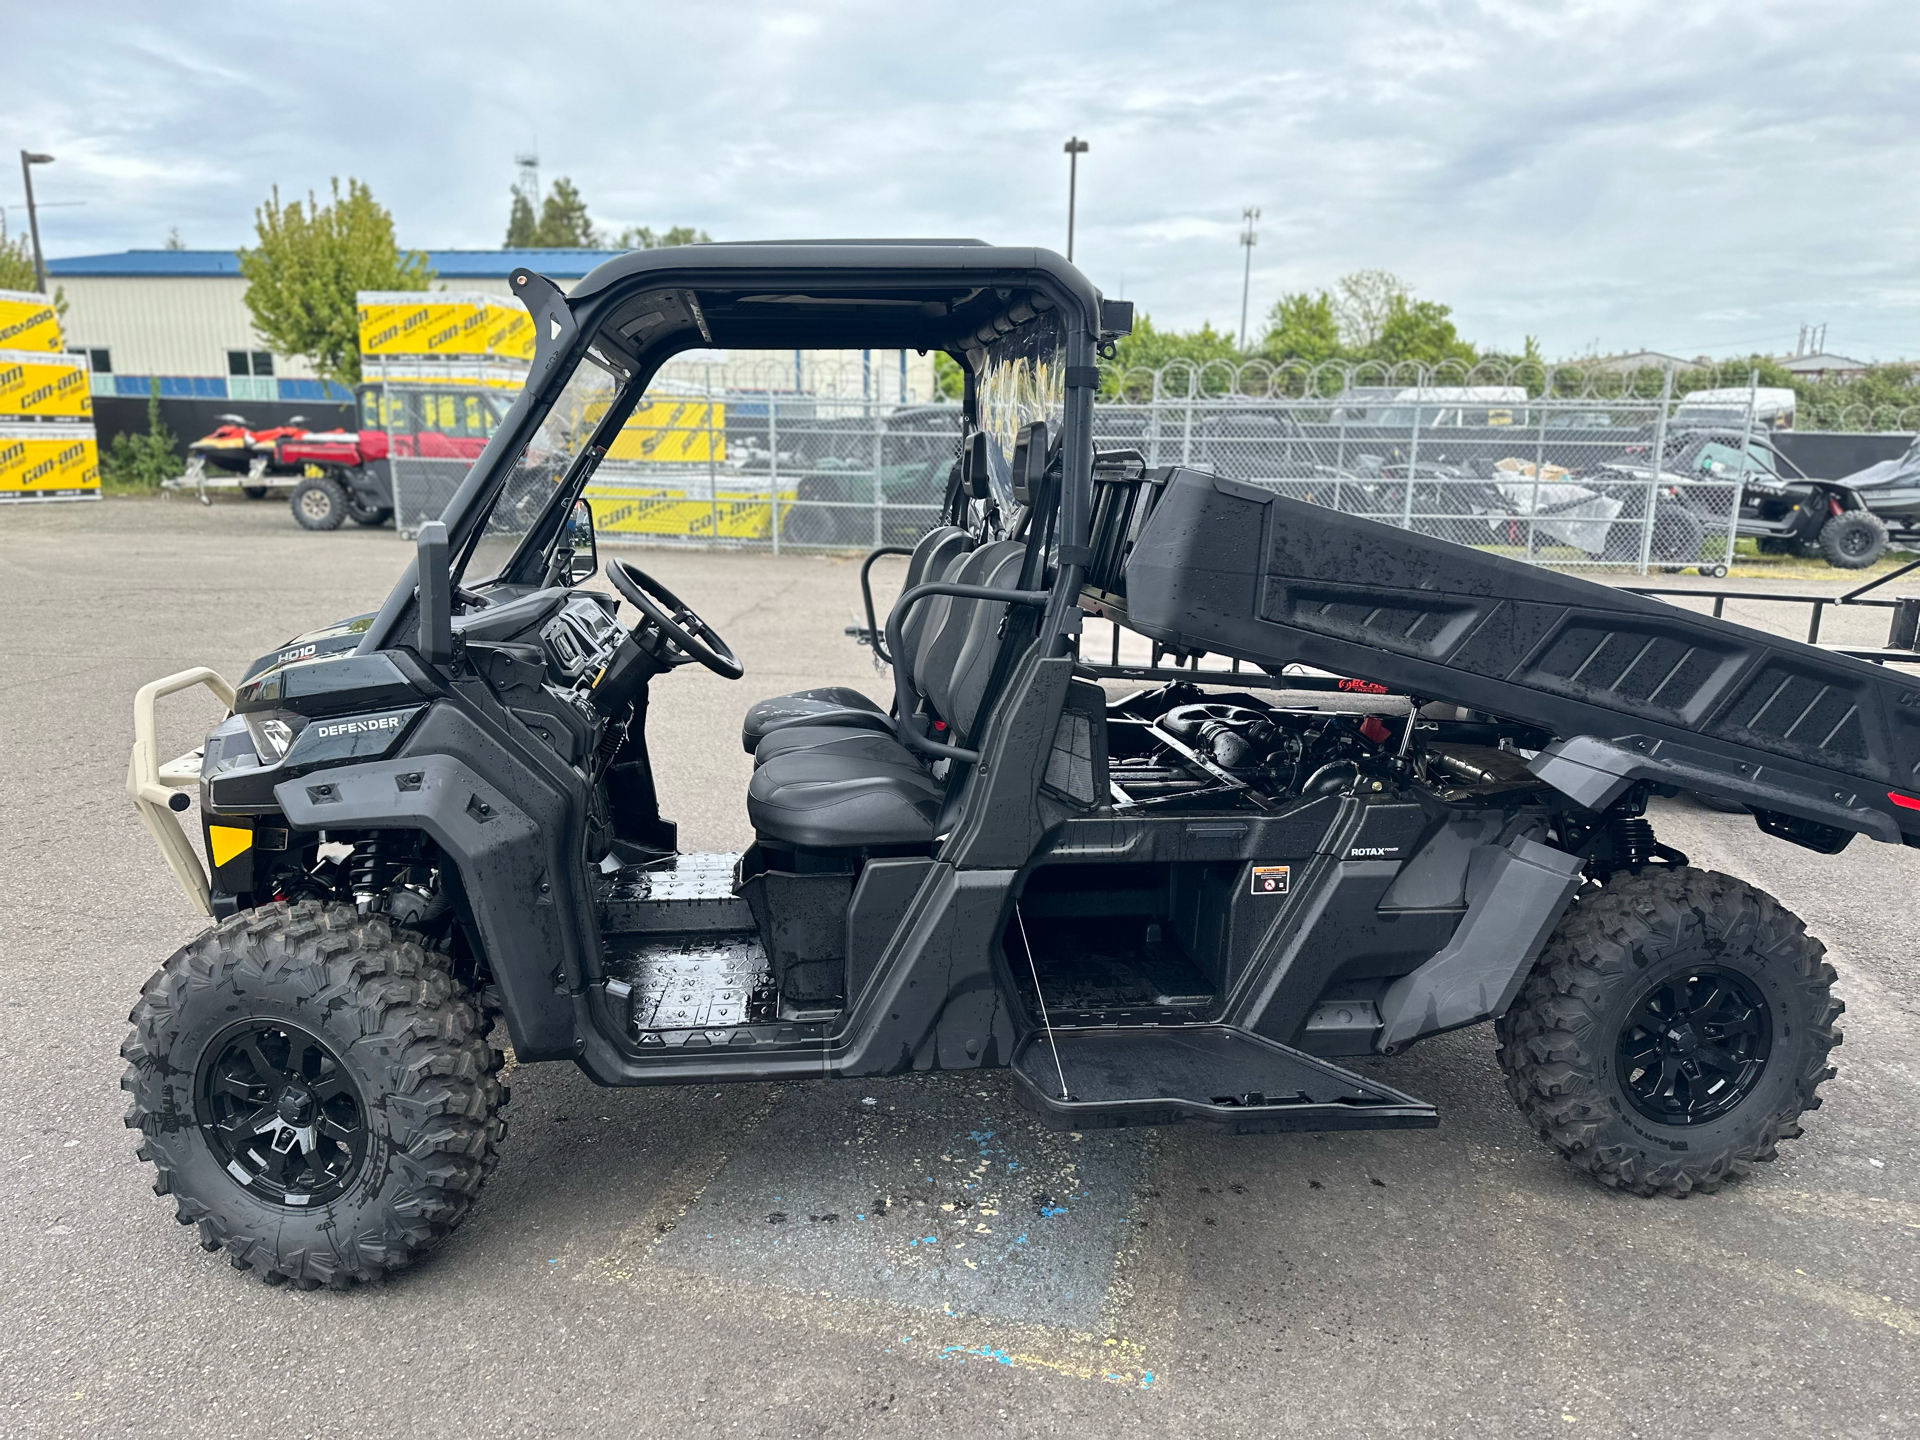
(1183, 900)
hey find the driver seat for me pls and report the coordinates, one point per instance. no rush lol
(841, 706)
(840, 788)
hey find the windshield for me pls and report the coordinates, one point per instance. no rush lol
(1025, 379)
(518, 504)
(1718, 459)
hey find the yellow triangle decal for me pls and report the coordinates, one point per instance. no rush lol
(226, 841)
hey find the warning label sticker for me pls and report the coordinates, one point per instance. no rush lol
(1271, 879)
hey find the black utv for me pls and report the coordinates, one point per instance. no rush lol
(1783, 510)
(1177, 900)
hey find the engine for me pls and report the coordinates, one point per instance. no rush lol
(1177, 742)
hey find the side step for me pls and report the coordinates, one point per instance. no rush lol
(1216, 1075)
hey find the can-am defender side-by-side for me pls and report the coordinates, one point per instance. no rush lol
(1174, 902)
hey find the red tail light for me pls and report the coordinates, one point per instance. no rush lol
(1905, 802)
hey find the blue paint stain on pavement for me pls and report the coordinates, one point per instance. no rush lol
(928, 1173)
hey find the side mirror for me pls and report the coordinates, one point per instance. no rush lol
(434, 573)
(585, 563)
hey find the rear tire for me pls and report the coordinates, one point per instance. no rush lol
(320, 503)
(370, 516)
(343, 1028)
(1853, 539)
(1568, 1044)
(254, 492)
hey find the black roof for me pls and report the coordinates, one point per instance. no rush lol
(828, 294)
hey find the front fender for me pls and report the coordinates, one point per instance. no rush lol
(506, 837)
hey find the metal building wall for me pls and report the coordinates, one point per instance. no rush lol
(165, 325)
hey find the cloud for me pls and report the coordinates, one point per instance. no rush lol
(1627, 173)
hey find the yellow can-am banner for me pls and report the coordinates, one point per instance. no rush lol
(673, 431)
(48, 462)
(443, 322)
(726, 507)
(28, 322)
(37, 385)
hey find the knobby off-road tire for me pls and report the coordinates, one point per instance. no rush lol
(382, 1023)
(1853, 539)
(319, 503)
(1561, 1042)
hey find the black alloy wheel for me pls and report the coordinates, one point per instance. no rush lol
(281, 1114)
(1677, 1026)
(1853, 539)
(1694, 1046)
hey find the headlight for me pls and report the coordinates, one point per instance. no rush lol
(271, 736)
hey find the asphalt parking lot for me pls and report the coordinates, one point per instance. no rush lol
(906, 1255)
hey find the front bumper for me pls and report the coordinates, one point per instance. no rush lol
(159, 792)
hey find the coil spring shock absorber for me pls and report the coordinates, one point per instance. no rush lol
(378, 863)
(1631, 837)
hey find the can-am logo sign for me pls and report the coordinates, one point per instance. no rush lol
(359, 727)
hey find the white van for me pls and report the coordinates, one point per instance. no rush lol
(1772, 407)
(1438, 405)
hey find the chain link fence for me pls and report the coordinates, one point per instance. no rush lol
(1554, 465)
(844, 463)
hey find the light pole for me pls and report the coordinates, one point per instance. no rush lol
(28, 159)
(1075, 148)
(1249, 238)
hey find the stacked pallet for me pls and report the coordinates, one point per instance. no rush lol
(48, 449)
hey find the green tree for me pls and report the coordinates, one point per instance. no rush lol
(1886, 397)
(16, 268)
(1153, 348)
(1362, 303)
(949, 379)
(303, 276)
(642, 237)
(16, 261)
(140, 462)
(1421, 331)
(564, 224)
(1302, 327)
(522, 229)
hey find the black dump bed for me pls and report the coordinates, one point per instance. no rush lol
(1632, 688)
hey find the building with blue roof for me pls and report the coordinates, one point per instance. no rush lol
(180, 316)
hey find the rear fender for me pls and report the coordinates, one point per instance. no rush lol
(1595, 772)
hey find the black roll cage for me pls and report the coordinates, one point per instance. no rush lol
(634, 313)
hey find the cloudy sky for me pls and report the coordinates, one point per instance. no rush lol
(1689, 175)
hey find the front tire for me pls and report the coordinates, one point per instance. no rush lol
(320, 503)
(315, 1091)
(1672, 1032)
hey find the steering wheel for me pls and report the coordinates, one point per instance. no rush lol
(686, 635)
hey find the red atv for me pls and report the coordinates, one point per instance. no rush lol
(355, 479)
